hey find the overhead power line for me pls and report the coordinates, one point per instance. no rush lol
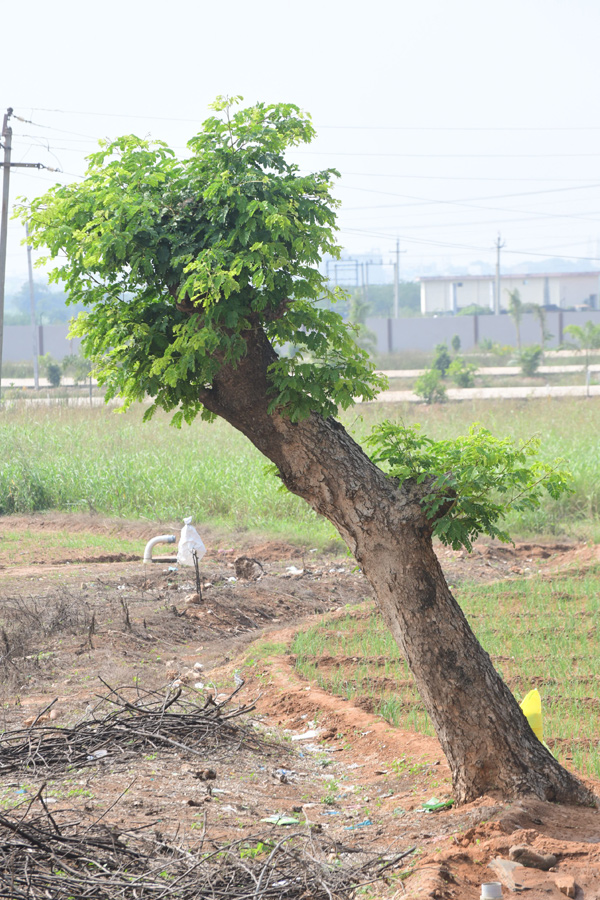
(447, 177)
(579, 187)
(113, 115)
(333, 153)
(479, 248)
(40, 137)
(481, 128)
(353, 127)
(58, 130)
(478, 222)
(77, 141)
(528, 215)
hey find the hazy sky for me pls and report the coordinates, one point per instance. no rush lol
(449, 119)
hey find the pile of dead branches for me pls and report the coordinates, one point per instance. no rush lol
(27, 623)
(40, 858)
(143, 722)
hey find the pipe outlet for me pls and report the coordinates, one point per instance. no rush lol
(161, 539)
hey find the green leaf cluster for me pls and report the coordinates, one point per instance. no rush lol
(178, 262)
(470, 483)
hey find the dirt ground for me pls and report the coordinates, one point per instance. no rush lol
(72, 617)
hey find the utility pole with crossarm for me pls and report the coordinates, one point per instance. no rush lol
(7, 165)
(6, 145)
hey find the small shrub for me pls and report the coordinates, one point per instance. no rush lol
(53, 374)
(430, 388)
(462, 373)
(474, 309)
(455, 343)
(441, 359)
(493, 348)
(51, 368)
(530, 359)
(26, 623)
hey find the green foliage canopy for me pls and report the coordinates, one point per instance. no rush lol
(180, 263)
(474, 480)
(177, 262)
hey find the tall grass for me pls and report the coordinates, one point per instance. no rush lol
(71, 458)
(77, 459)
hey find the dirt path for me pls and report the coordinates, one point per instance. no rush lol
(497, 393)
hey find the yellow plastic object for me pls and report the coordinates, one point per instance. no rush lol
(532, 710)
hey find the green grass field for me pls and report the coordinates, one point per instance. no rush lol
(28, 546)
(540, 632)
(95, 459)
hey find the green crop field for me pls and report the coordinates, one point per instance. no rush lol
(541, 632)
(68, 458)
(65, 458)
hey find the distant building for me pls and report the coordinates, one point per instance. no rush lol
(564, 290)
(359, 269)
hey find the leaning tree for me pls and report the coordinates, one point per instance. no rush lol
(201, 288)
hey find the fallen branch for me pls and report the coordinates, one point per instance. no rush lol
(40, 859)
(147, 720)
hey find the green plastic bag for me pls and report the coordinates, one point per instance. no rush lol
(435, 805)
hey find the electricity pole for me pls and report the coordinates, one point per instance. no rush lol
(7, 165)
(397, 279)
(499, 245)
(7, 146)
(34, 327)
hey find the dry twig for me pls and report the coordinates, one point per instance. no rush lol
(41, 859)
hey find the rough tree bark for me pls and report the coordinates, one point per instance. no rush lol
(484, 735)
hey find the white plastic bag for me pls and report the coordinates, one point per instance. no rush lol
(189, 541)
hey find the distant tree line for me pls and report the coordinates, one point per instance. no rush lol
(378, 300)
(50, 306)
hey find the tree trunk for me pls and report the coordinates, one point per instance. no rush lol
(484, 735)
